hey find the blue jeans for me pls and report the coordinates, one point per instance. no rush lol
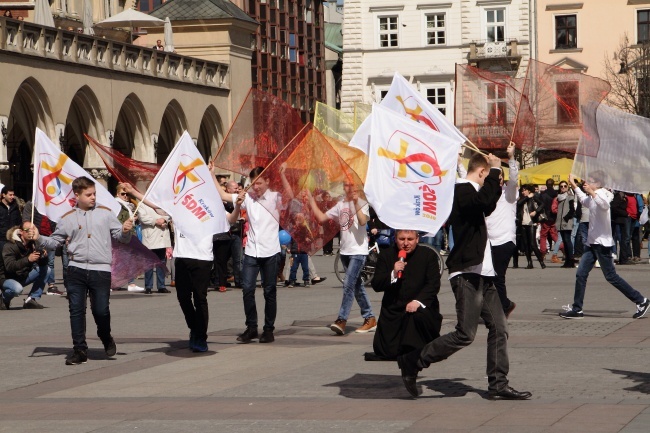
(84, 283)
(160, 271)
(604, 256)
(51, 255)
(300, 259)
(353, 287)
(38, 275)
(268, 268)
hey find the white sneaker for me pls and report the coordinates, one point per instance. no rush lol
(597, 264)
(134, 288)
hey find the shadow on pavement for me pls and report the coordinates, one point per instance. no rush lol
(381, 386)
(641, 378)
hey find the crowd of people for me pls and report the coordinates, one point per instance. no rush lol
(492, 222)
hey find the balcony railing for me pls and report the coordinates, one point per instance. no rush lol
(487, 50)
(63, 45)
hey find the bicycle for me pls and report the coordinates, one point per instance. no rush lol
(368, 270)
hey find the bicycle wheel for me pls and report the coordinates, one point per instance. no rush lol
(441, 262)
(339, 269)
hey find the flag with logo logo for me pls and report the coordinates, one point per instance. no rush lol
(53, 197)
(54, 172)
(185, 190)
(411, 174)
(402, 98)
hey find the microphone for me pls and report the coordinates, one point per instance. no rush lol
(402, 256)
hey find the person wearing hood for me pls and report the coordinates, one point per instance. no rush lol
(22, 264)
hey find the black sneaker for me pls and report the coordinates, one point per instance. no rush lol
(200, 345)
(641, 309)
(110, 348)
(4, 304)
(267, 337)
(248, 335)
(78, 357)
(163, 290)
(571, 314)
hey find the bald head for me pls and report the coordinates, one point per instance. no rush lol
(231, 187)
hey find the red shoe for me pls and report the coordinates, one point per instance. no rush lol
(222, 289)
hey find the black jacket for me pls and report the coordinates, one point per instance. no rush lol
(15, 264)
(534, 203)
(9, 217)
(618, 208)
(547, 198)
(467, 220)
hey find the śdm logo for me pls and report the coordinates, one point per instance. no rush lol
(52, 183)
(415, 163)
(185, 180)
(416, 113)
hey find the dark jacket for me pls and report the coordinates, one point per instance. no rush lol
(547, 197)
(534, 203)
(618, 208)
(15, 264)
(9, 217)
(467, 220)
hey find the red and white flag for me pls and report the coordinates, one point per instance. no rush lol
(184, 189)
(53, 176)
(411, 173)
(403, 99)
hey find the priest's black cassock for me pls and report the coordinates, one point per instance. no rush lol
(398, 331)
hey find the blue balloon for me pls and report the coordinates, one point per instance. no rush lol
(285, 237)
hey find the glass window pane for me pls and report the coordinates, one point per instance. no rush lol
(490, 16)
(490, 34)
(500, 14)
(571, 21)
(501, 34)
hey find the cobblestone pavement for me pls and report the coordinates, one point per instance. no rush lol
(586, 375)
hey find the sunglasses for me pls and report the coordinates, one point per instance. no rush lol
(122, 193)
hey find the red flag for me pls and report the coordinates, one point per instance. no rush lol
(264, 125)
(124, 169)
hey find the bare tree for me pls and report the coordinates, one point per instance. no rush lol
(628, 72)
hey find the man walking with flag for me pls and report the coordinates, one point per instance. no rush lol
(90, 228)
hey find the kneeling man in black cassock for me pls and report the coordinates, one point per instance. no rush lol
(410, 313)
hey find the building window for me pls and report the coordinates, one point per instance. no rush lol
(496, 25)
(643, 25)
(388, 32)
(496, 104)
(438, 98)
(436, 29)
(566, 32)
(382, 94)
(293, 53)
(144, 6)
(568, 102)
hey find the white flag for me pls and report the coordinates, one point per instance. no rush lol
(53, 176)
(411, 173)
(402, 98)
(615, 143)
(184, 189)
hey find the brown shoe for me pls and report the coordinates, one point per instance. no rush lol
(338, 326)
(369, 325)
(555, 259)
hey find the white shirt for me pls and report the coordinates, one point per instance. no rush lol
(263, 214)
(600, 221)
(501, 223)
(354, 239)
(486, 268)
(183, 248)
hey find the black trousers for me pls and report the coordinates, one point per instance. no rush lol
(529, 243)
(221, 251)
(475, 297)
(192, 279)
(501, 255)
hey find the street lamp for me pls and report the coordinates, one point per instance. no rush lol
(636, 60)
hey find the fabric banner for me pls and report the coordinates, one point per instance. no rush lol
(53, 197)
(139, 174)
(411, 174)
(184, 189)
(402, 98)
(623, 151)
(53, 176)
